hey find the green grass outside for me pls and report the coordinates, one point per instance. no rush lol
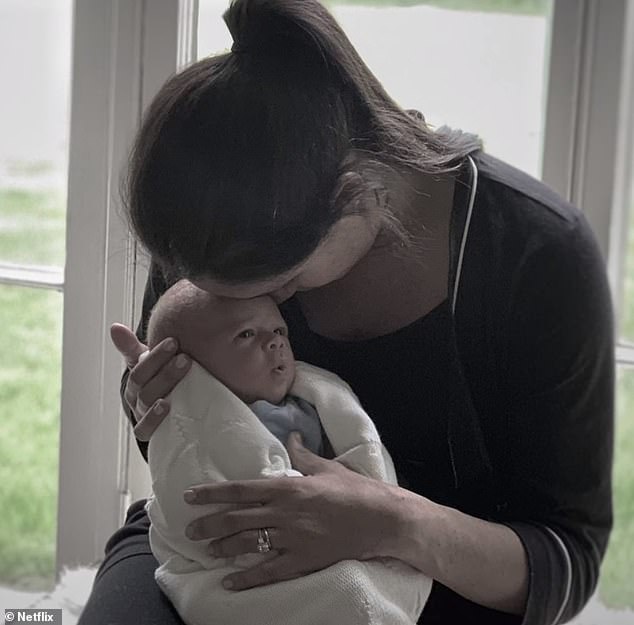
(30, 362)
(32, 227)
(615, 586)
(32, 231)
(524, 7)
(30, 365)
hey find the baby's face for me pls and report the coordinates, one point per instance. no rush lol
(244, 344)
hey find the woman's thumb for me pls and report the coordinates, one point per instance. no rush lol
(302, 458)
(127, 343)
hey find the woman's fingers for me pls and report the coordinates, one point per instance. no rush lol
(152, 363)
(153, 375)
(243, 542)
(228, 523)
(146, 426)
(127, 343)
(164, 379)
(147, 368)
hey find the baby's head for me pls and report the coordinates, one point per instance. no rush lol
(241, 342)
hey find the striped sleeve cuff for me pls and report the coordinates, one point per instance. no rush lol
(549, 571)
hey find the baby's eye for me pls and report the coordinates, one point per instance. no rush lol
(246, 334)
(280, 331)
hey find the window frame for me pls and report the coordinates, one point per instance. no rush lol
(123, 51)
(589, 128)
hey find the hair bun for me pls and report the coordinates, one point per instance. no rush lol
(271, 26)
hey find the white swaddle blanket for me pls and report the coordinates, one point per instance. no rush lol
(210, 435)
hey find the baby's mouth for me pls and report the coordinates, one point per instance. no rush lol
(280, 368)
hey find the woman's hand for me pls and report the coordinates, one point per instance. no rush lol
(333, 514)
(153, 375)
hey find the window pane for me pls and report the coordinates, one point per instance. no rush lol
(30, 365)
(35, 55)
(479, 68)
(32, 225)
(213, 36)
(615, 590)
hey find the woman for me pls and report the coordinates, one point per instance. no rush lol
(465, 303)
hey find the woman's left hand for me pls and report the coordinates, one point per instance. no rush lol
(331, 514)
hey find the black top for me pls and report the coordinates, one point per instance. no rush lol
(401, 382)
(500, 401)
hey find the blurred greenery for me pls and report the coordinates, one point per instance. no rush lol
(32, 227)
(615, 587)
(29, 168)
(30, 365)
(526, 7)
(32, 231)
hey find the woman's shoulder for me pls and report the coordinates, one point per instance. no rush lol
(522, 233)
(519, 222)
(513, 193)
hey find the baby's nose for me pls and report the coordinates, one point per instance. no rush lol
(275, 341)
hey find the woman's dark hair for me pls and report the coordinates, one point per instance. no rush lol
(245, 160)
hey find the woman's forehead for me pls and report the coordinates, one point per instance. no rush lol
(336, 241)
(245, 290)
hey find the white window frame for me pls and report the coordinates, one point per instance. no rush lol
(123, 51)
(589, 137)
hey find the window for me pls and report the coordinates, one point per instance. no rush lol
(33, 174)
(475, 68)
(123, 51)
(615, 589)
(615, 586)
(468, 67)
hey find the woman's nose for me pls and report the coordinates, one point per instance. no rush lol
(284, 293)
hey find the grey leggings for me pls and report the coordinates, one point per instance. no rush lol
(125, 591)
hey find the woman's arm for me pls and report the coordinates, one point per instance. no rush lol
(542, 558)
(482, 561)
(549, 431)
(317, 521)
(558, 401)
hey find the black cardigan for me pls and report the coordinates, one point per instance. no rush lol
(534, 330)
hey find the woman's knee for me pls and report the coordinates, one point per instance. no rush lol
(125, 592)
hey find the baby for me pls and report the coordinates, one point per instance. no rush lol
(243, 344)
(230, 418)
